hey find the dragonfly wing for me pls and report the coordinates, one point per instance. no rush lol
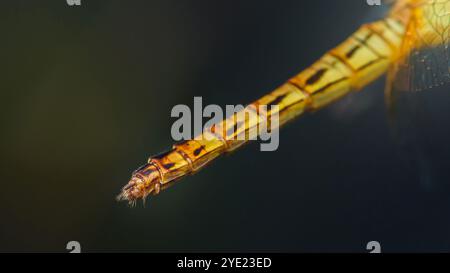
(422, 63)
(424, 59)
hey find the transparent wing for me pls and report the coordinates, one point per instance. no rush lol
(424, 59)
(417, 119)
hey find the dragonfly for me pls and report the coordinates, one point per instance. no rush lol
(410, 44)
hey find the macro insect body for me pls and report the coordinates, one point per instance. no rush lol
(410, 44)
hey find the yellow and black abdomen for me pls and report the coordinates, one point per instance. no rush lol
(352, 65)
(356, 62)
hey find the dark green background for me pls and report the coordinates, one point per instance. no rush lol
(86, 94)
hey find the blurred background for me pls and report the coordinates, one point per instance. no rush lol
(86, 95)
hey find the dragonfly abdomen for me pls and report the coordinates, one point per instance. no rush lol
(356, 62)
